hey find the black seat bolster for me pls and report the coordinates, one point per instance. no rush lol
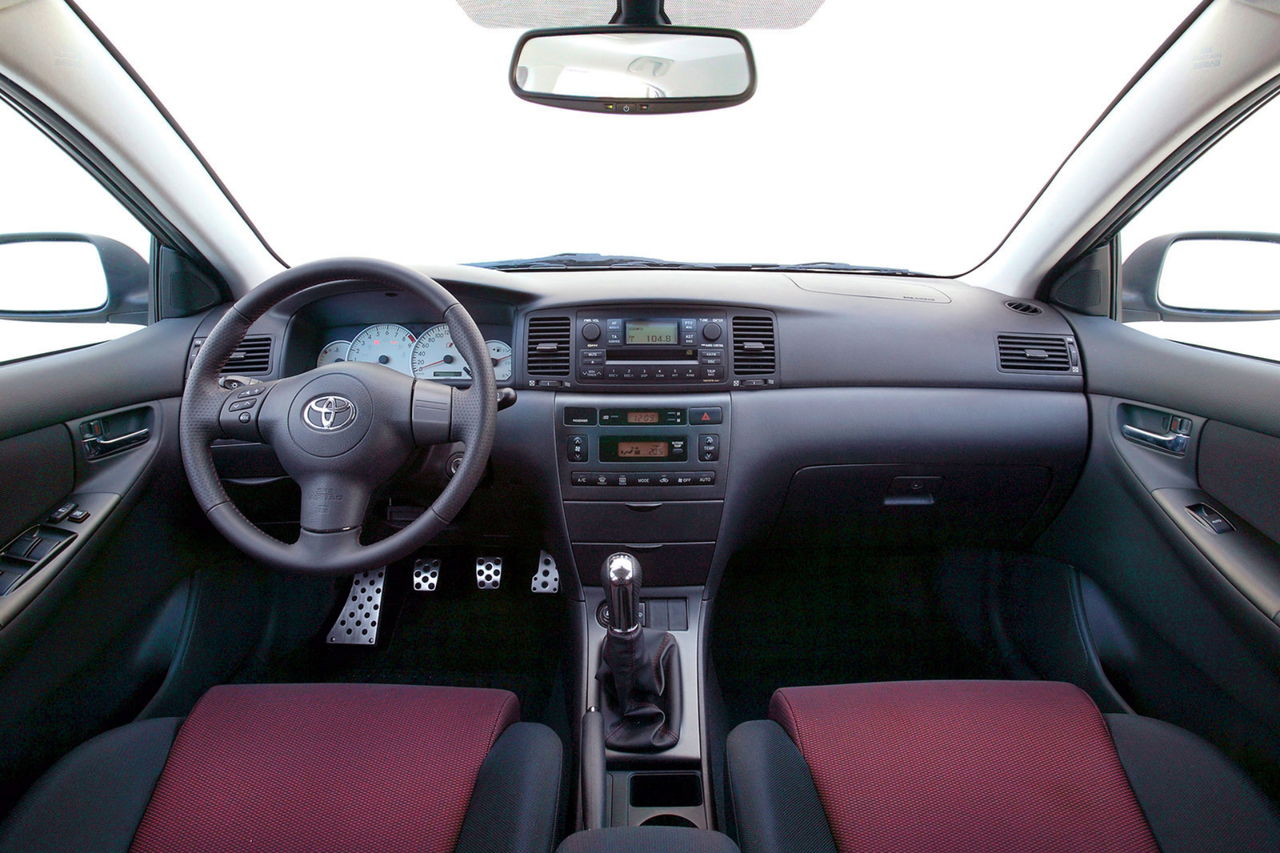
(1194, 798)
(515, 804)
(648, 839)
(771, 791)
(94, 798)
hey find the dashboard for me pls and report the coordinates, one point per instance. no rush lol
(698, 413)
(428, 354)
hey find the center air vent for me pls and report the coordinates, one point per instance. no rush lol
(755, 350)
(251, 358)
(1022, 307)
(548, 346)
(1038, 353)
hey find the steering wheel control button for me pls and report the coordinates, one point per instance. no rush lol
(246, 418)
(241, 405)
(708, 415)
(251, 391)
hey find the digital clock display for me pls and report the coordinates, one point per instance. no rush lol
(643, 449)
(651, 332)
(642, 417)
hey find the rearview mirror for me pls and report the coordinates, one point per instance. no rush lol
(72, 278)
(1202, 276)
(634, 70)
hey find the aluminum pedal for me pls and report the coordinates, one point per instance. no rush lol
(488, 572)
(426, 575)
(546, 580)
(357, 622)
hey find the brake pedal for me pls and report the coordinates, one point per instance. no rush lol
(357, 622)
(426, 575)
(546, 580)
(488, 572)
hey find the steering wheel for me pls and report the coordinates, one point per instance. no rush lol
(340, 430)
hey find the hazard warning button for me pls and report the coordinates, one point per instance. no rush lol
(709, 415)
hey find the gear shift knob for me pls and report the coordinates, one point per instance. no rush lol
(620, 576)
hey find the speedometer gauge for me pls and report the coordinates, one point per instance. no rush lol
(384, 343)
(333, 352)
(435, 357)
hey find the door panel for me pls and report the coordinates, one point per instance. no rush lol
(1177, 539)
(38, 471)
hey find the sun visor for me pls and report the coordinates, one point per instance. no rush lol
(732, 14)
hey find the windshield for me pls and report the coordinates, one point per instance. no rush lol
(896, 135)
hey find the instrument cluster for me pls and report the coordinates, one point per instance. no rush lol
(429, 355)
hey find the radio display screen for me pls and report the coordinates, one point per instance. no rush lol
(653, 332)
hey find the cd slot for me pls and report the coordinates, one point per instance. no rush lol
(677, 355)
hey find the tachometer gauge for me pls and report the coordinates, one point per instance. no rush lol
(333, 352)
(501, 355)
(384, 343)
(435, 357)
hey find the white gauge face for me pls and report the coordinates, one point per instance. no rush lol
(333, 352)
(435, 357)
(384, 343)
(500, 353)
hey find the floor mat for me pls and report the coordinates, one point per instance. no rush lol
(792, 618)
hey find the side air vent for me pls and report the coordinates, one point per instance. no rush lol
(1022, 307)
(755, 349)
(251, 358)
(1038, 354)
(548, 346)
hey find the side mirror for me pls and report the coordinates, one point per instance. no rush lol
(72, 278)
(1204, 276)
(633, 70)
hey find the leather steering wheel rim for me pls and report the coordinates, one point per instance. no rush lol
(365, 422)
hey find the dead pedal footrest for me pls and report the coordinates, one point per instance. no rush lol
(357, 622)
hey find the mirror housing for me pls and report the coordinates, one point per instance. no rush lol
(1165, 272)
(126, 278)
(634, 70)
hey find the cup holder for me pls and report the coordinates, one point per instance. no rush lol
(669, 820)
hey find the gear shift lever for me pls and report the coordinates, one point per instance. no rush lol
(621, 578)
(639, 671)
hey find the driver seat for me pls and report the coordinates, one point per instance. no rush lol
(306, 767)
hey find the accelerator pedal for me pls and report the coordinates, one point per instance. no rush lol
(546, 580)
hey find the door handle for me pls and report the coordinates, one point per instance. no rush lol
(1169, 442)
(94, 447)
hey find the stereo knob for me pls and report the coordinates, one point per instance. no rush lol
(591, 332)
(711, 331)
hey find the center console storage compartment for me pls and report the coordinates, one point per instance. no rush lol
(657, 798)
(643, 521)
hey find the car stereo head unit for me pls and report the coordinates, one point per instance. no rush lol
(652, 348)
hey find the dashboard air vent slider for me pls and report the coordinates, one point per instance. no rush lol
(1038, 353)
(755, 350)
(1022, 307)
(548, 346)
(251, 358)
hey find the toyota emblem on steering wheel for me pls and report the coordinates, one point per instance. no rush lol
(329, 413)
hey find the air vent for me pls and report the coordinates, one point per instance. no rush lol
(1038, 354)
(755, 351)
(251, 358)
(548, 346)
(1022, 307)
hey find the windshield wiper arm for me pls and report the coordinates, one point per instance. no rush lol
(835, 266)
(584, 260)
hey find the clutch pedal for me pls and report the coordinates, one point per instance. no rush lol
(426, 575)
(488, 572)
(357, 622)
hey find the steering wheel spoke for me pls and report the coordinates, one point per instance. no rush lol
(333, 502)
